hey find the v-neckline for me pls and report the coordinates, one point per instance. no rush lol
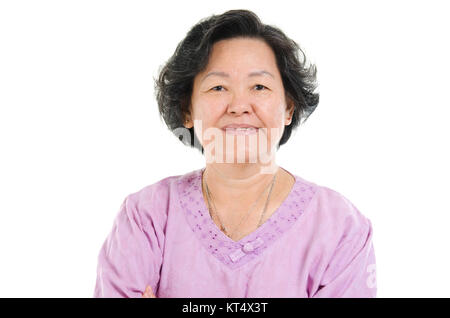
(236, 253)
(224, 236)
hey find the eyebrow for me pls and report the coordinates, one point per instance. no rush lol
(252, 74)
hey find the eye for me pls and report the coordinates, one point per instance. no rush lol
(220, 86)
(260, 86)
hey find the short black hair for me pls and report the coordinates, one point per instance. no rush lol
(173, 87)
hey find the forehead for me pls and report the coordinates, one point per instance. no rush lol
(241, 54)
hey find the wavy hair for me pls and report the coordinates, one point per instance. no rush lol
(173, 87)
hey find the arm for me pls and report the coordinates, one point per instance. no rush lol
(130, 258)
(351, 271)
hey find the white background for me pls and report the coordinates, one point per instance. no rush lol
(80, 130)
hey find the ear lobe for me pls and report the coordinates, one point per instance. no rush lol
(290, 109)
(187, 117)
(187, 123)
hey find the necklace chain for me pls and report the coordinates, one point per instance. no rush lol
(208, 195)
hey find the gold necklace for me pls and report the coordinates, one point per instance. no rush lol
(209, 198)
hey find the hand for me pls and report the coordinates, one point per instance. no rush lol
(148, 293)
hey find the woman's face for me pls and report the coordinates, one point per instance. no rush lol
(240, 85)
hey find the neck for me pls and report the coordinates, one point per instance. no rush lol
(238, 184)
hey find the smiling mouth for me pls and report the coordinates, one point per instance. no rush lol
(240, 131)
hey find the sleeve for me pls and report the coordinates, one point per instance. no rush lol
(351, 272)
(130, 257)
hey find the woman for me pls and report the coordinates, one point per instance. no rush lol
(241, 226)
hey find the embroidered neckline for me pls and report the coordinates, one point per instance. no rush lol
(237, 253)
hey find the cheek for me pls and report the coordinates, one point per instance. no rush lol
(208, 111)
(211, 106)
(271, 116)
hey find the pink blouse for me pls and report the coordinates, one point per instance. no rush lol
(316, 244)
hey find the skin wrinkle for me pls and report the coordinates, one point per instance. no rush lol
(252, 74)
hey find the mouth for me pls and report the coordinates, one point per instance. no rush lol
(240, 131)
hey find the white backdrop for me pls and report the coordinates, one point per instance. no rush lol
(79, 128)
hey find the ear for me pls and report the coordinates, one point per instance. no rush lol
(188, 123)
(290, 107)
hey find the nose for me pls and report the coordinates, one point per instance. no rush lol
(239, 104)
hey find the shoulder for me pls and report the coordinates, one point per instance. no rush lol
(151, 202)
(334, 213)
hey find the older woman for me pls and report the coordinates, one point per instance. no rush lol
(242, 226)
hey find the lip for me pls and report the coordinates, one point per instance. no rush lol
(234, 129)
(234, 126)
